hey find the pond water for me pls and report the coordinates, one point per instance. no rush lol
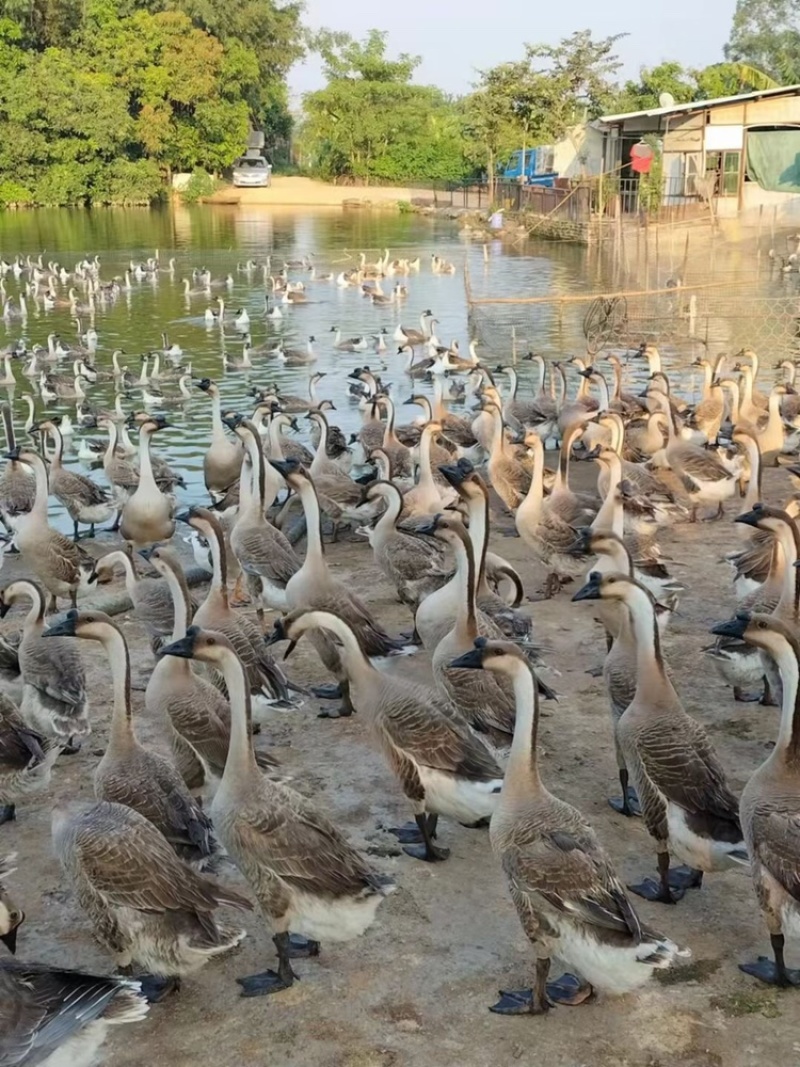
(220, 239)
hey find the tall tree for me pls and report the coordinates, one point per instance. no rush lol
(766, 35)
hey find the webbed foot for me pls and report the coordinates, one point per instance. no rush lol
(654, 891)
(427, 852)
(409, 834)
(71, 748)
(765, 970)
(684, 878)
(264, 984)
(569, 989)
(628, 805)
(8, 813)
(342, 712)
(302, 948)
(157, 988)
(742, 697)
(518, 1002)
(328, 691)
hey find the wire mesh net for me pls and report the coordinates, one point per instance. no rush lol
(724, 316)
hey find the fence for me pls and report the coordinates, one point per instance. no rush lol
(726, 315)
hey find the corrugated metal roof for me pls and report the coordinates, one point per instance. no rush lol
(699, 105)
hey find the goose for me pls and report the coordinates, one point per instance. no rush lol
(527, 412)
(222, 462)
(8, 379)
(198, 713)
(349, 344)
(263, 552)
(415, 565)
(304, 873)
(267, 680)
(542, 528)
(54, 700)
(294, 296)
(129, 773)
(313, 587)
(444, 768)
(332, 454)
(59, 564)
(770, 801)
(509, 479)
(147, 514)
(52, 1016)
(405, 335)
(26, 759)
(122, 475)
(686, 803)
(212, 317)
(150, 597)
(241, 321)
(280, 446)
(18, 481)
(568, 896)
(242, 363)
(707, 416)
(298, 357)
(146, 905)
(53, 388)
(86, 502)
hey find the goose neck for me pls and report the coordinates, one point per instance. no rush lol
(241, 763)
(219, 577)
(787, 746)
(315, 552)
(146, 477)
(649, 661)
(181, 602)
(522, 772)
(117, 651)
(466, 622)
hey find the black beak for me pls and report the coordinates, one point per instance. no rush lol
(429, 527)
(582, 545)
(184, 516)
(4, 609)
(751, 518)
(93, 577)
(14, 453)
(590, 591)
(278, 633)
(587, 454)
(281, 466)
(183, 649)
(10, 939)
(734, 627)
(472, 660)
(146, 553)
(64, 627)
(453, 474)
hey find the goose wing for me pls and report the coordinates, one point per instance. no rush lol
(776, 836)
(90, 494)
(301, 846)
(569, 869)
(54, 666)
(432, 734)
(678, 758)
(702, 466)
(132, 865)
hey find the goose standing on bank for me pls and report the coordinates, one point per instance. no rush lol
(315, 588)
(54, 700)
(17, 482)
(129, 773)
(148, 514)
(59, 564)
(771, 800)
(568, 897)
(686, 803)
(86, 502)
(147, 907)
(304, 873)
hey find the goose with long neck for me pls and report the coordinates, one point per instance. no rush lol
(267, 680)
(484, 703)
(397, 452)
(147, 514)
(85, 501)
(541, 528)
(567, 895)
(710, 479)
(771, 799)
(304, 873)
(442, 766)
(198, 713)
(414, 565)
(313, 588)
(770, 432)
(509, 479)
(687, 805)
(263, 552)
(222, 462)
(129, 773)
(474, 493)
(709, 412)
(54, 700)
(427, 497)
(570, 506)
(59, 564)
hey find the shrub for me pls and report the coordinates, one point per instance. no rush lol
(12, 192)
(200, 184)
(128, 182)
(64, 184)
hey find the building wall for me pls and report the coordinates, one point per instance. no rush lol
(579, 153)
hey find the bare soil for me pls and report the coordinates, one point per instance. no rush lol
(414, 991)
(306, 192)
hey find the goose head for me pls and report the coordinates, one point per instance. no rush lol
(501, 657)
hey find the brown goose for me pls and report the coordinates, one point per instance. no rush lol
(687, 805)
(567, 894)
(86, 502)
(26, 759)
(771, 800)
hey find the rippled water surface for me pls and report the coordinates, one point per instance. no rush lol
(221, 239)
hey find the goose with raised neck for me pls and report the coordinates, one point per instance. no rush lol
(611, 951)
(273, 835)
(771, 799)
(222, 462)
(444, 769)
(147, 514)
(687, 805)
(129, 773)
(85, 501)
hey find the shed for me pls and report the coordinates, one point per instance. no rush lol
(739, 152)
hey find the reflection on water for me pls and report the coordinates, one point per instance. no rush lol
(220, 239)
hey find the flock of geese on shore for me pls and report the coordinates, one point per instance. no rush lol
(144, 860)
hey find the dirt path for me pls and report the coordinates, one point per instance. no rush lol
(305, 192)
(414, 991)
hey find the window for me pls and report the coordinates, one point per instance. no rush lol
(724, 168)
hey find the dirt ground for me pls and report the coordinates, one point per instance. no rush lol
(306, 192)
(414, 991)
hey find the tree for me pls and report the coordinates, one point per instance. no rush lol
(490, 130)
(669, 77)
(766, 34)
(371, 123)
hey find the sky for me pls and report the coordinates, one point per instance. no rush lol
(457, 37)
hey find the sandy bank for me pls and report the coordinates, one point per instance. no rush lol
(305, 192)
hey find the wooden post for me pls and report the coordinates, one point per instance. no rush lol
(685, 264)
(646, 253)
(658, 275)
(772, 228)
(692, 314)
(514, 345)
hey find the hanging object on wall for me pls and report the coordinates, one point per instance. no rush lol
(642, 156)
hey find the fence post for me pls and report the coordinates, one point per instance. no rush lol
(514, 345)
(692, 314)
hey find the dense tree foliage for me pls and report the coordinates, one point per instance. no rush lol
(100, 100)
(370, 123)
(766, 35)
